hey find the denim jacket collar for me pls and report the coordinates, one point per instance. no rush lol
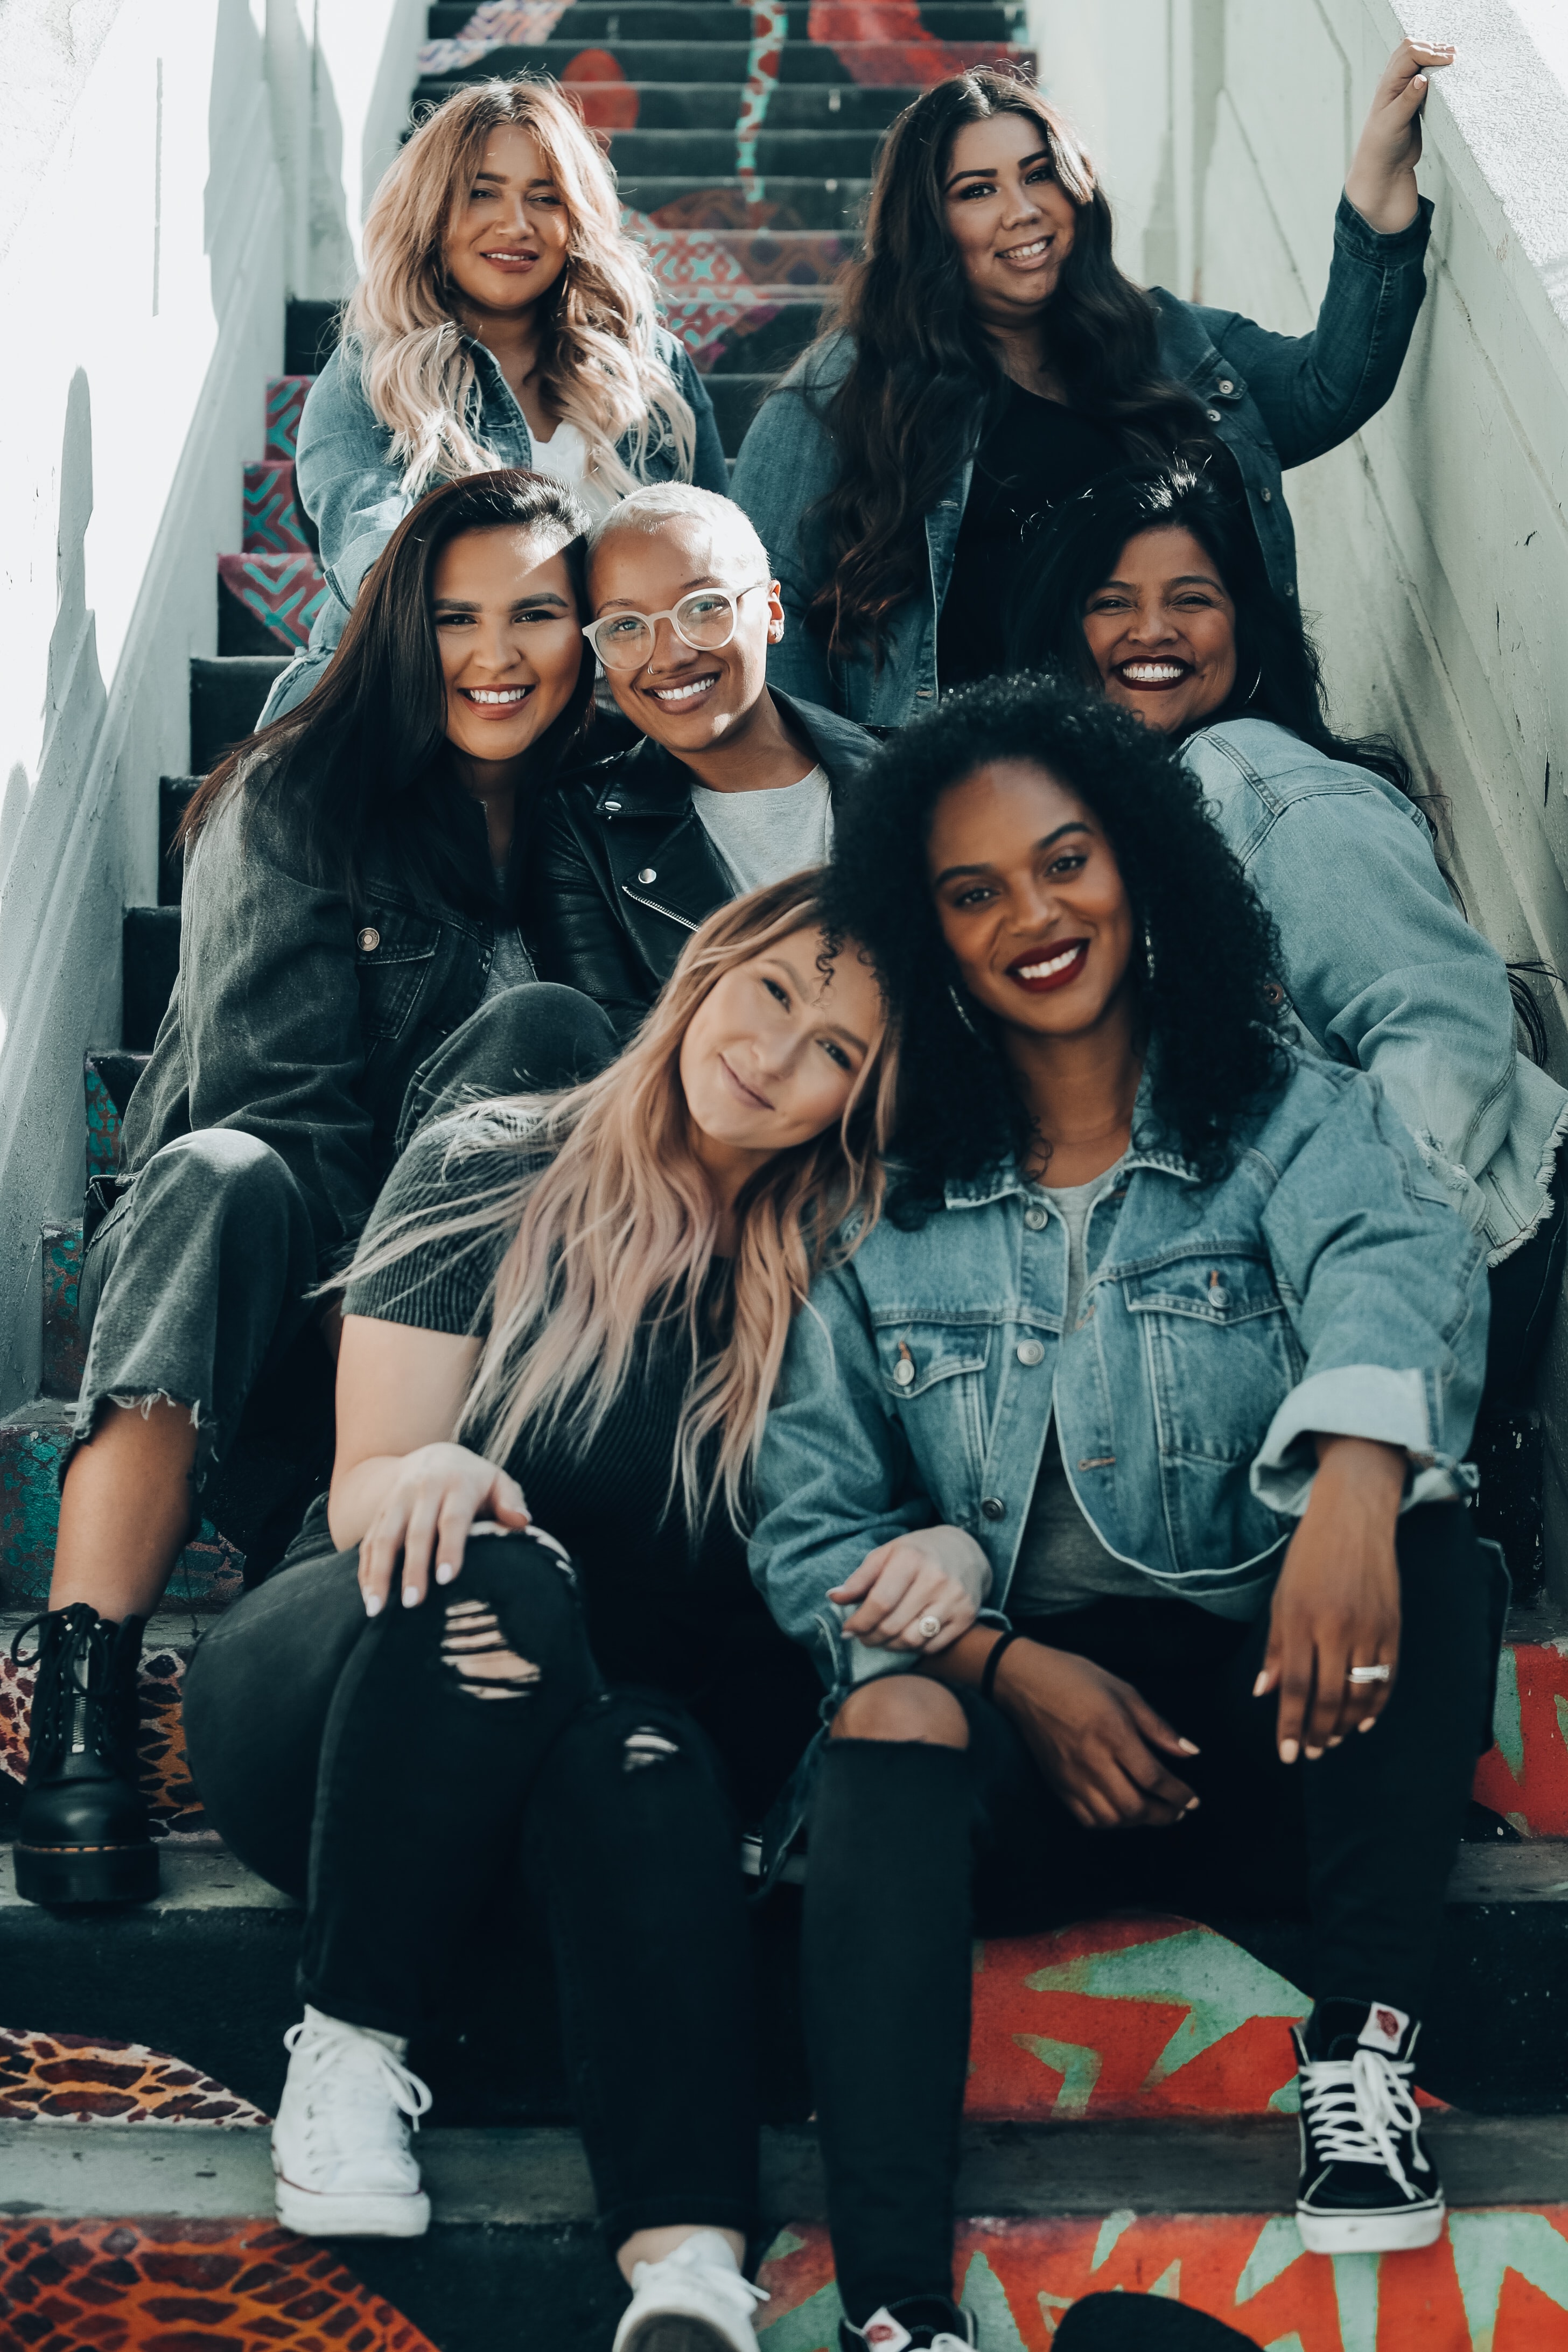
(1005, 1180)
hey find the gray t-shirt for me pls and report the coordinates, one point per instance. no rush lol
(762, 836)
(1062, 1564)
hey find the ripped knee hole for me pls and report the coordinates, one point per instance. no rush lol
(476, 1650)
(646, 1746)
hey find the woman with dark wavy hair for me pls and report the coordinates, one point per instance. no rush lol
(1150, 589)
(350, 964)
(988, 358)
(1171, 1321)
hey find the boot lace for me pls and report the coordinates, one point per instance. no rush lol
(1353, 2110)
(55, 1694)
(365, 2076)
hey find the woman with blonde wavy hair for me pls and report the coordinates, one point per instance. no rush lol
(504, 319)
(560, 1335)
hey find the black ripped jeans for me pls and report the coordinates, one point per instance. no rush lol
(389, 1768)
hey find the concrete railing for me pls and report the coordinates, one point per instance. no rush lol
(1434, 546)
(167, 176)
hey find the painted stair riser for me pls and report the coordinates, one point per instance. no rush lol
(33, 1449)
(602, 24)
(273, 523)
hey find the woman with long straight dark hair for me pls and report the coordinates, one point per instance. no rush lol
(350, 963)
(988, 358)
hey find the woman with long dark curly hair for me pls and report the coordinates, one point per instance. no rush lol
(987, 358)
(1150, 589)
(1171, 1320)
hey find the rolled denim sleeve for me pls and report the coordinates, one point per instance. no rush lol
(786, 464)
(835, 1478)
(1387, 1290)
(347, 481)
(1314, 391)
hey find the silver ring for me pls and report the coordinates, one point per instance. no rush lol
(927, 1627)
(1371, 1674)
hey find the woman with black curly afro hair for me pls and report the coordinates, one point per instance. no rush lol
(1169, 1349)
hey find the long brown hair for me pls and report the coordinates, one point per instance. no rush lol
(620, 1225)
(925, 380)
(599, 366)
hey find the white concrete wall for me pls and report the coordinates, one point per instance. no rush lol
(148, 238)
(1434, 546)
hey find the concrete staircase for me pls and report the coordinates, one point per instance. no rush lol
(1130, 2076)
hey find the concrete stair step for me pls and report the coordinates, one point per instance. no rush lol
(310, 338)
(227, 695)
(726, 201)
(709, 105)
(175, 796)
(787, 154)
(760, 330)
(604, 24)
(652, 63)
(736, 399)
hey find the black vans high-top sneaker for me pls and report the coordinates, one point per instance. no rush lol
(81, 1833)
(923, 2323)
(1368, 2186)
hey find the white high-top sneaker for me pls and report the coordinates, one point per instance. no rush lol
(340, 2146)
(695, 2300)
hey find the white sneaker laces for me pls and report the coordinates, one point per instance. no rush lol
(367, 2078)
(1354, 2109)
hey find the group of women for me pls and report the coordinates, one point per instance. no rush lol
(943, 1355)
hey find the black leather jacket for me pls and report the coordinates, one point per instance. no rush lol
(623, 870)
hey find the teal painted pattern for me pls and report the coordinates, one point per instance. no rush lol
(208, 1575)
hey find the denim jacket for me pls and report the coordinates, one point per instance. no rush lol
(353, 491)
(1274, 400)
(1320, 1284)
(300, 1018)
(1381, 968)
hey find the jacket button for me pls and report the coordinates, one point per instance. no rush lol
(647, 873)
(1224, 384)
(1030, 1351)
(904, 1374)
(369, 940)
(1213, 416)
(994, 1507)
(1290, 592)
(1036, 1219)
(1267, 497)
(612, 808)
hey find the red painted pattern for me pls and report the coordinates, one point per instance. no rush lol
(1525, 1775)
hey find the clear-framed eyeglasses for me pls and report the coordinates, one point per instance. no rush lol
(705, 620)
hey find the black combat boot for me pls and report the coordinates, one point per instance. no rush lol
(81, 1834)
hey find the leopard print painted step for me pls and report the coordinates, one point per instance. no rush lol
(78, 2078)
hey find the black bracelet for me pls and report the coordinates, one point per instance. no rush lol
(992, 1660)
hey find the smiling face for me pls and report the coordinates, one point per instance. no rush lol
(1163, 631)
(506, 241)
(774, 1050)
(508, 628)
(1031, 901)
(1012, 221)
(687, 700)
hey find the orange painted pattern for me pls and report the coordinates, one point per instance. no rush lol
(1525, 1775)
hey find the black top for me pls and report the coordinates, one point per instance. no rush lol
(1037, 455)
(664, 1607)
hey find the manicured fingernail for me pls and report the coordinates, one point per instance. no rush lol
(410, 1597)
(1366, 1723)
(446, 1571)
(1313, 1754)
(1337, 1738)
(373, 1604)
(1192, 1805)
(1189, 1747)
(1289, 1752)
(1261, 1685)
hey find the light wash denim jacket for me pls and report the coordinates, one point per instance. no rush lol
(1380, 967)
(1274, 400)
(355, 495)
(1320, 1283)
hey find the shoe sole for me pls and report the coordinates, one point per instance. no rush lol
(1370, 2233)
(105, 1873)
(675, 2331)
(317, 2216)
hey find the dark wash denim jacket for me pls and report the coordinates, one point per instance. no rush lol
(1321, 1282)
(1274, 400)
(300, 1020)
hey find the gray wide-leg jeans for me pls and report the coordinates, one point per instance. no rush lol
(196, 1287)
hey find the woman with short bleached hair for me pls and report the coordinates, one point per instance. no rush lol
(503, 320)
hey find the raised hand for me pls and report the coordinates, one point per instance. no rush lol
(1381, 182)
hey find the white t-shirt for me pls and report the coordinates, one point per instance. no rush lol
(762, 836)
(564, 458)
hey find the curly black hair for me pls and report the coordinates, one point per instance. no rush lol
(1209, 1000)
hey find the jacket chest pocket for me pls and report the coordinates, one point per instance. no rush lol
(1220, 1350)
(933, 1377)
(395, 954)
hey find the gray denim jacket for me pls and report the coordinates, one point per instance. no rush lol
(1320, 1283)
(1274, 400)
(1381, 968)
(301, 1019)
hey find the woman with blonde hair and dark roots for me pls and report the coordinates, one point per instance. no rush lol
(504, 319)
(560, 1337)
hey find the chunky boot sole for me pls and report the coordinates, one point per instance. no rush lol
(86, 1874)
(314, 2215)
(1391, 2233)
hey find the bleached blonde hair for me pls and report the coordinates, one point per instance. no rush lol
(599, 366)
(615, 1222)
